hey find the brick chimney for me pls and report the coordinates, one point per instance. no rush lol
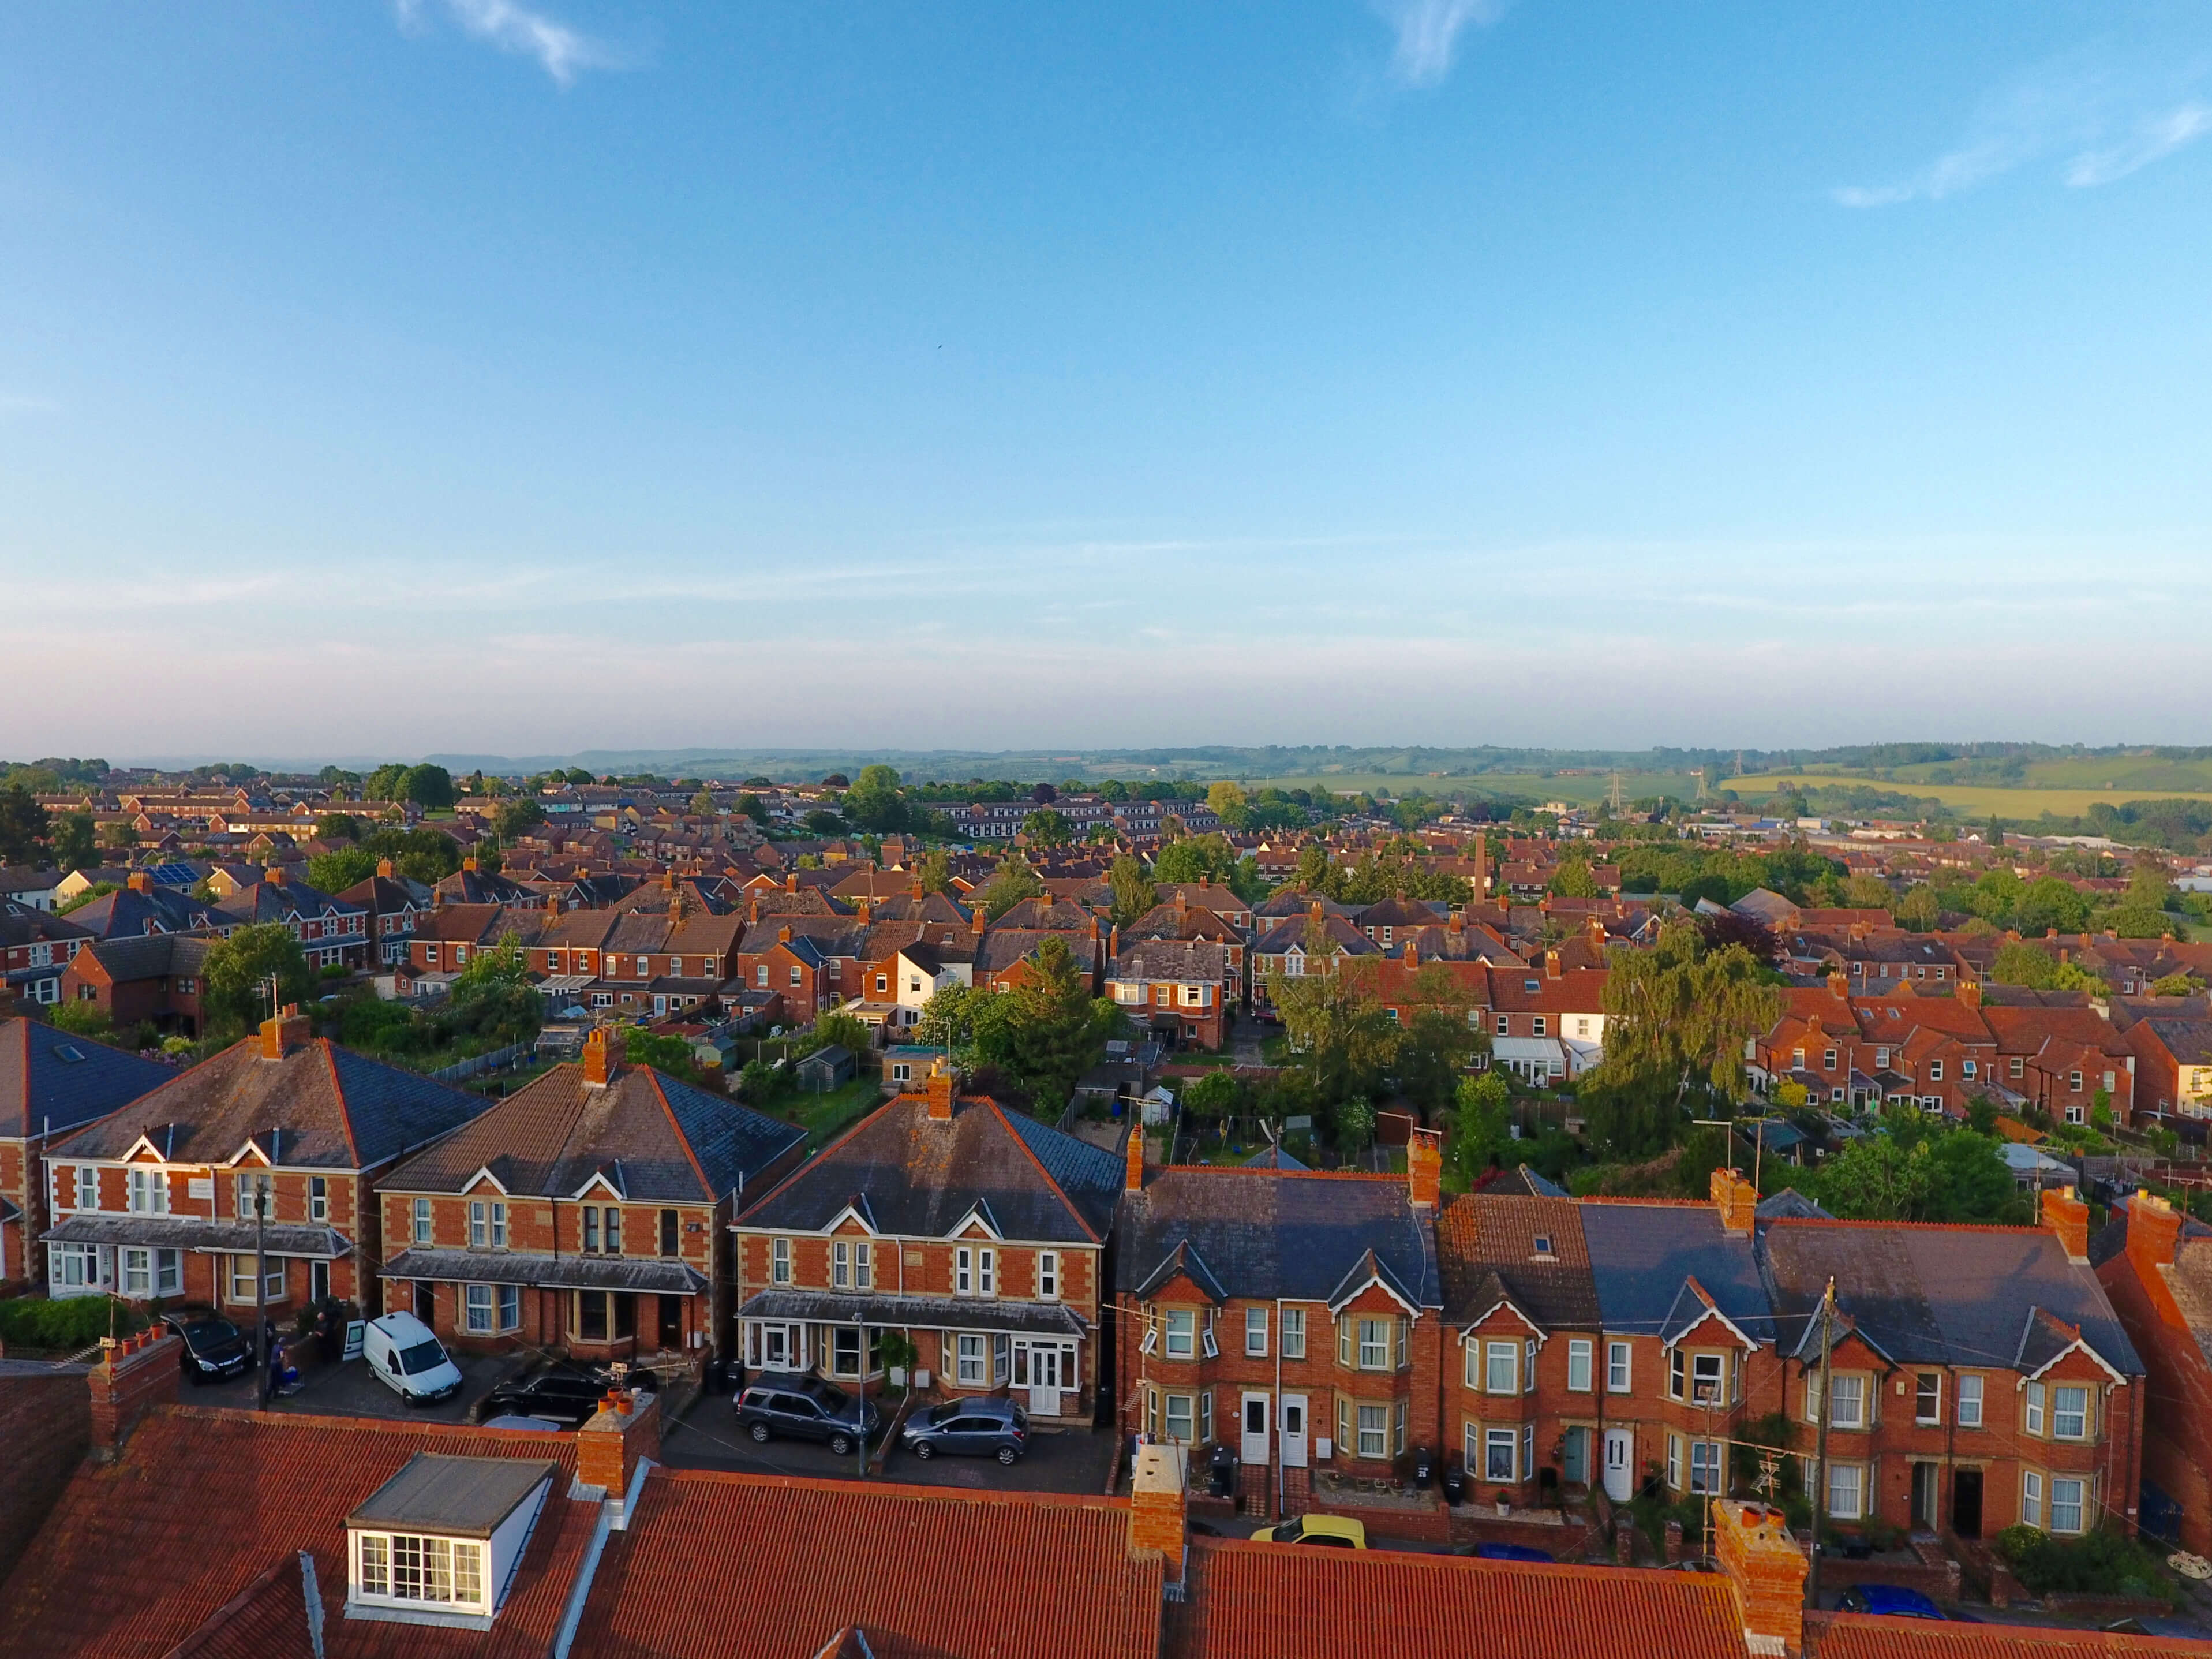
(980, 919)
(603, 1056)
(289, 1031)
(2067, 1216)
(2154, 1234)
(791, 882)
(914, 889)
(469, 865)
(1134, 1154)
(383, 868)
(1840, 984)
(133, 1376)
(1736, 1198)
(274, 874)
(867, 912)
(1424, 1168)
(626, 1428)
(783, 934)
(1413, 955)
(1551, 964)
(1969, 993)
(937, 1093)
(139, 880)
(1155, 1518)
(1766, 1571)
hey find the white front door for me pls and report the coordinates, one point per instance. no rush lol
(1294, 1431)
(1619, 1452)
(1256, 1448)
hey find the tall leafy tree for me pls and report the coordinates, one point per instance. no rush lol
(1681, 1014)
(76, 845)
(428, 786)
(234, 994)
(1048, 827)
(1014, 883)
(1134, 893)
(24, 826)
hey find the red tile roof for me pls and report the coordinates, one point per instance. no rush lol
(1861, 1636)
(1279, 1601)
(195, 1532)
(774, 1568)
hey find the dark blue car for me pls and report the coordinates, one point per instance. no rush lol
(1888, 1599)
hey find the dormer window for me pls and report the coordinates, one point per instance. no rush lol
(438, 1543)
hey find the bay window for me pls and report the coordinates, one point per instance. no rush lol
(1181, 1327)
(2069, 1420)
(1499, 1369)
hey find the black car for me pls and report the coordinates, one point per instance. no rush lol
(214, 1348)
(796, 1407)
(561, 1394)
(975, 1427)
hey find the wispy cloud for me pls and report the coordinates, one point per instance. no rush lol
(562, 51)
(2105, 124)
(2153, 141)
(21, 403)
(1428, 33)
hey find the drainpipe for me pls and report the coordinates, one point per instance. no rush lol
(1279, 1486)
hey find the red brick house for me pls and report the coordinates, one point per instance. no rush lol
(2174, 1056)
(51, 1082)
(976, 1231)
(158, 1198)
(2158, 1272)
(584, 1213)
(1293, 1315)
(35, 946)
(1176, 988)
(154, 977)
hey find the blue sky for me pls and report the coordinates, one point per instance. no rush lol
(533, 374)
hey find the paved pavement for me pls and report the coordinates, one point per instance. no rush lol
(1061, 1461)
(351, 1390)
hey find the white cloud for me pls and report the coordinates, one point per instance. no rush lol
(562, 51)
(1428, 33)
(2090, 113)
(2153, 141)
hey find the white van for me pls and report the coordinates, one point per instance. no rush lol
(406, 1357)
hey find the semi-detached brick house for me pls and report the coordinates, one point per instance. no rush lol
(584, 1213)
(2174, 1060)
(2156, 1265)
(332, 932)
(51, 1082)
(158, 1200)
(974, 1230)
(1293, 1315)
(155, 977)
(34, 947)
(1178, 988)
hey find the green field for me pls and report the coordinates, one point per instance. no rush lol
(1586, 789)
(1976, 800)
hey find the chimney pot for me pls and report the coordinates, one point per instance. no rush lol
(1425, 1164)
(1766, 1568)
(626, 1428)
(1134, 1154)
(288, 1031)
(2068, 1216)
(1736, 1199)
(937, 1092)
(1156, 1508)
(469, 865)
(603, 1056)
(2154, 1231)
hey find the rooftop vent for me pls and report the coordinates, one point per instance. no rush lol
(438, 1543)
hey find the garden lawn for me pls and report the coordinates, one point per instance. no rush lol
(826, 1116)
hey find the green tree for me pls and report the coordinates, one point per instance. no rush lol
(503, 963)
(2019, 963)
(428, 786)
(1573, 879)
(338, 826)
(664, 1052)
(334, 872)
(702, 803)
(874, 802)
(1314, 870)
(1048, 827)
(1196, 859)
(1228, 801)
(23, 827)
(822, 822)
(1681, 1013)
(935, 871)
(2177, 985)
(1132, 889)
(1866, 893)
(75, 844)
(1213, 1099)
(236, 972)
(750, 806)
(1354, 1123)
(1342, 1037)
(1014, 883)
(1481, 1127)
(1919, 909)
(516, 817)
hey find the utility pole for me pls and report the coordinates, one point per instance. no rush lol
(1820, 1445)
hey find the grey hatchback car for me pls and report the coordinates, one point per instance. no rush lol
(800, 1407)
(988, 1427)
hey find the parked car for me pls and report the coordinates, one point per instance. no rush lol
(974, 1428)
(566, 1393)
(1893, 1600)
(214, 1347)
(800, 1407)
(1329, 1531)
(1511, 1552)
(406, 1357)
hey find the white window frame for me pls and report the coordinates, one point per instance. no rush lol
(1495, 1441)
(1852, 1476)
(1180, 1326)
(1924, 1414)
(779, 1261)
(1372, 1424)
(2063, 1522)
(1374, 1338)
(149, 1191)
(479, 1310)
(2032, 1410)
(1047, 1276)
(1255, 1332)
(1179, 1420)
(88, 1186)
(440, 1579)
(1501, 1368)
(1294, 1333)
(2063, 1414)
(2030, 1498)
(420, 1219)
(1620, 1368)
(1579, 1357)
(1970, 1402)
(1708, 1390)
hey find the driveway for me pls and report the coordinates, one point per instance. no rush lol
(1058, 1460)
(350, 1390)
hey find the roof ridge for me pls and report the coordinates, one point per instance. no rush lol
(1928, 1226)
(985, 1495)
(1029, 1152)
(682, 1137)
(1288, 1175)
(337, 1087)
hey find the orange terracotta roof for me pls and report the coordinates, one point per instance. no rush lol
(789, 1564)
(1861, 1635)
(1278, 1601)
(194, 1534)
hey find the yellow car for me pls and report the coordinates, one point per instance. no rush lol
(1330, 1531)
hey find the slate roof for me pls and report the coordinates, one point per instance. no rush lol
(657, 1140)
(334, 1108)
(1178, 959)
(42, 1085)
(151, 956)
(1269, 1233)
(641, 1273)
(1487, 1246)
(1640, 1254)
(128, 1567)
(1937, 1295)
(127, 910)
(920, 1178)
(2189, 1041)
